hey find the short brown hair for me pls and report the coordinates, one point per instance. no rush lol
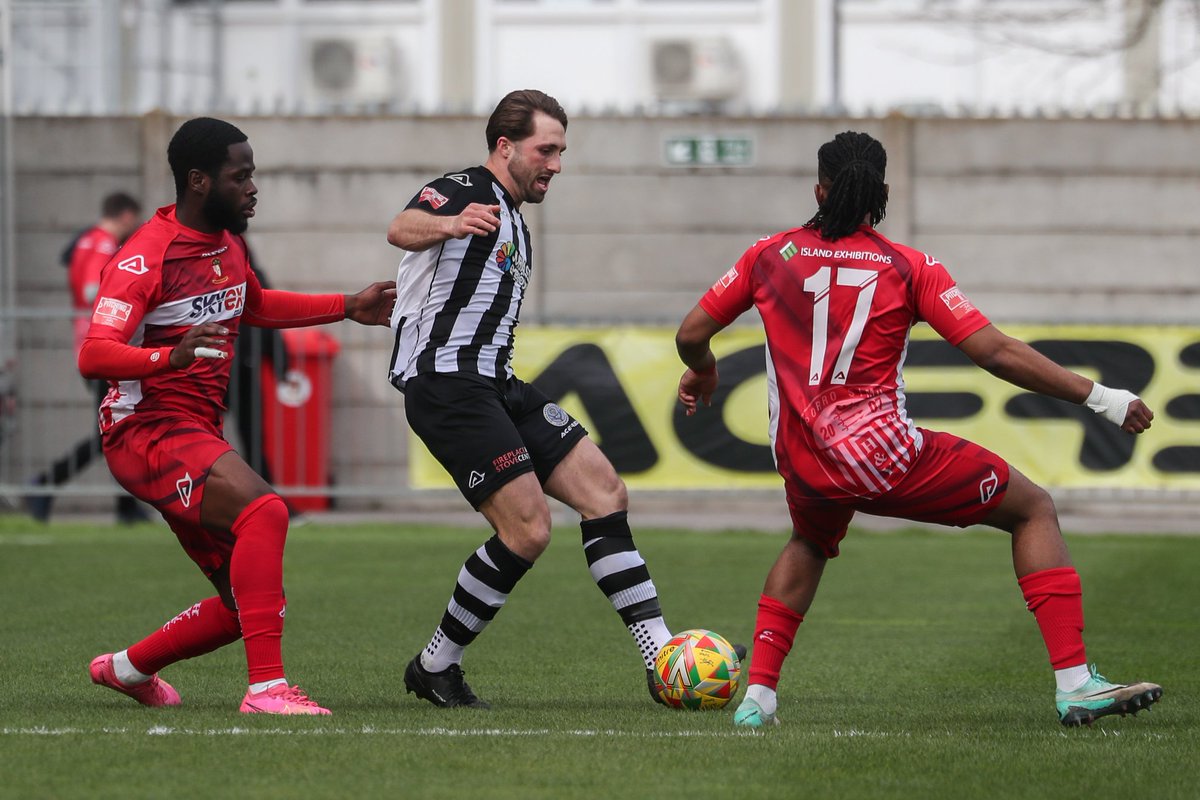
(513, 117)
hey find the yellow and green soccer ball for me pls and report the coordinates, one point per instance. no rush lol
(697, 669)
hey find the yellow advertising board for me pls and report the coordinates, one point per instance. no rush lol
(621, 383)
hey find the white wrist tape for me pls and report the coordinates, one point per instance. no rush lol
(210, 352)
(1110, 403)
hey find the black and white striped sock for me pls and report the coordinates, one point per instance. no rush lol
(484, 583)
(619, 570)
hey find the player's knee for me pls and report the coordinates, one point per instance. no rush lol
(1040, 505)
(267, 514)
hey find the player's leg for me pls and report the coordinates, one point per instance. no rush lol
(238, 500)
(787, 595)
(146, 460)
(1054, 594)
(957, 482)
(585, 480)
(465, 425)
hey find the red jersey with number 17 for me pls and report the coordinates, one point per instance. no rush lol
(837, 317)
(166, 279)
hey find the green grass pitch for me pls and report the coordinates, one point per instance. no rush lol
(918, 674)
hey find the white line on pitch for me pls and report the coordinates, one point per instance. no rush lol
(164, 730)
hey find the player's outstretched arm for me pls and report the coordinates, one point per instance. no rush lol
(693, 343)
(415, 230)
(1016, 362)
(373, 305)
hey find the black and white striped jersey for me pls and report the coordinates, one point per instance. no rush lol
(457, 303)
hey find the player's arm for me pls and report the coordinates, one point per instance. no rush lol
(273, 308)
(693, 342)
(414, 229)
(103, 358)
(1016, 362)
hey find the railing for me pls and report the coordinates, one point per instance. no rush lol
(310, 409)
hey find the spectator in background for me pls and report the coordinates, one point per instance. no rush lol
(89, 250)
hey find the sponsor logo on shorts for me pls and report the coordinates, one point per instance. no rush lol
(134, 264)
(555, 415)
(112, 313)
(510, 459)
(475, 479)
(184, 487)
(433, 197)
(988, 487)
(957, 302)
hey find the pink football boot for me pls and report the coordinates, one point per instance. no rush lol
(280, 699)
(154, 692)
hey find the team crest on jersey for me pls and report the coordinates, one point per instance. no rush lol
(510, 261)
(220, 276)
(433, 197)
(134, 264)
(113, 313)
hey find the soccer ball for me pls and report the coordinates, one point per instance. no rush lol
(697, 669)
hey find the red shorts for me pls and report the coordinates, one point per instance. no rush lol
(953, 482)
(164, 461)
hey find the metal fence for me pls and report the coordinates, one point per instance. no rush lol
(309, 409)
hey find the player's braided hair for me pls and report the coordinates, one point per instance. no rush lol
(854, 164)
(201, 143)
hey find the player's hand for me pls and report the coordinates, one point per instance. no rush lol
(476, 219)
(373, 305)
(1137, 417)
(208, 337)
(697, 387)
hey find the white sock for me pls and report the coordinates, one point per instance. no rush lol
(440, 653)
(125, 671)
(256, 688)
(1072, 678)
(764, 696)
(650, 635)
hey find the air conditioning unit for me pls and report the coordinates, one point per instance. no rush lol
(352, 70)
(695, 69)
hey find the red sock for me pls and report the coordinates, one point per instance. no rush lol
(1055, 597)
(774, 630)
(256, 577)
(200, 629)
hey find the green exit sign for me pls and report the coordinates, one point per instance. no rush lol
(708, 151)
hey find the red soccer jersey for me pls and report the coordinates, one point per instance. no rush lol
(92, 251)
(837, 317)
(166, 279)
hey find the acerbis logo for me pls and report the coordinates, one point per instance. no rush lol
(461, 178)
(184, 487)
(134, 264)
(988, 487)
(476, 479)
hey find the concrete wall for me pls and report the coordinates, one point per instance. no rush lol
(1040, 220)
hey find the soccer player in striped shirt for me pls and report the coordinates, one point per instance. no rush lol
(837, 300)
(507, 447)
